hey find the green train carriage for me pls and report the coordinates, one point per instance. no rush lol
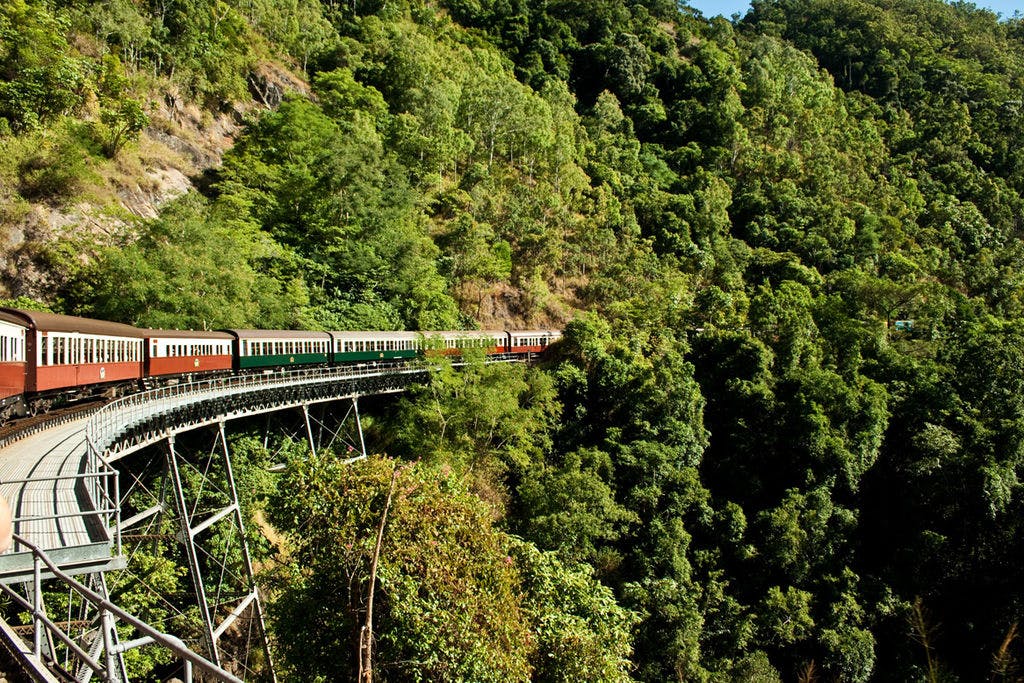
(368, 347)
(280, 348)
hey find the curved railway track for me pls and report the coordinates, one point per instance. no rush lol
(24, 426)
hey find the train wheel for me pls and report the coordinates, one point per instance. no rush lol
(38, 406)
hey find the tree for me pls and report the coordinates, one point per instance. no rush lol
(39, 77)
(448, 590)
(190, 270)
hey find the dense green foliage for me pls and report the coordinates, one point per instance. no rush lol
(455, 599)
(783, 434)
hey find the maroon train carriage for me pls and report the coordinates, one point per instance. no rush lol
(532, 341)
(70, 355)
(12, 364)
(187, 352)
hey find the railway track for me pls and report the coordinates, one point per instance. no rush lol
(20, 428)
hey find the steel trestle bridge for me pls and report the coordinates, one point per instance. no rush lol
(66, 499)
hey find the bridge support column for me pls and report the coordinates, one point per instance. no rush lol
(188, 540)
(309, 429)
(359, 425)
(209, 497)
(257, 603)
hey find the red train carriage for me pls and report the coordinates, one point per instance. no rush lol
(532, 341)
(186, 352)
(65, 353)
(12, 364)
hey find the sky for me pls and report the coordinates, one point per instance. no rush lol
(727, 8)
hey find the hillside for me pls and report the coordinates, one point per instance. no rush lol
(784, 436)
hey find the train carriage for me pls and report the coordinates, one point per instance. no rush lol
(279, 348)
(454, 342)
(364, 347)
(187, 352)
(532, 341)
(66, 353)
(12, 363)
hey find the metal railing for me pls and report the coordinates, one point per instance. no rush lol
(119, 416)
(43, 627)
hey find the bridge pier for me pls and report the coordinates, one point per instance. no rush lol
(190, 504)
(317, 444)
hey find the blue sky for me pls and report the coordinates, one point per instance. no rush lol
(728, 7)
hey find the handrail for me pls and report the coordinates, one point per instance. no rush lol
(121, 415)
(113, 418)
(42, 622)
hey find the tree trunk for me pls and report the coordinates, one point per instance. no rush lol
(366, 633)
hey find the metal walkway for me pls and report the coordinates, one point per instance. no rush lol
(44, 478)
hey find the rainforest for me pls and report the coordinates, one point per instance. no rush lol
(782, 438)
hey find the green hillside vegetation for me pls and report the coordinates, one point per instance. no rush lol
(783, 438)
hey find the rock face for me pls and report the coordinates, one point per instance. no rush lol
(182, 142)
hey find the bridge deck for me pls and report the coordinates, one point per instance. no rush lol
(40, 476)
(55, 483)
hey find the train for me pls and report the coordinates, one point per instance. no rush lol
(48, 358)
